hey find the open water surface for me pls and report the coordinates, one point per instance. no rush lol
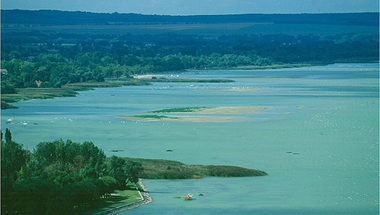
(319, 143)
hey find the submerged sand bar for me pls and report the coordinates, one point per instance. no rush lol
(233, 110)
(200, 114)
(186, 118)
(214, 110)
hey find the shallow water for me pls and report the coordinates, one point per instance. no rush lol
(326, 116)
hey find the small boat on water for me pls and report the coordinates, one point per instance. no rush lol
(188, 196)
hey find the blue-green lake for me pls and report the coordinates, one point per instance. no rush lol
(319, 141)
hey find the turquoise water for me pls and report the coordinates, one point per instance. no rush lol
(328, 116)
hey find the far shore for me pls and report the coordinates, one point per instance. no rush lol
(70, 90)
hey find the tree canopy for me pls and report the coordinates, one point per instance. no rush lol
(59, 177)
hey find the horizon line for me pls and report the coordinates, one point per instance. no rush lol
(226, 14)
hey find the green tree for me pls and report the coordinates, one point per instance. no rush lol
(133, 170)
(14, 55)
(92, 155)
(83, 192)
(110, 182)
(8, 136)
(7, 88)
(59, 205)
(30, 196)
(117, 170)
(13, 156)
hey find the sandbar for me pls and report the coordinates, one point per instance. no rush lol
(187, 118)
(202, 114)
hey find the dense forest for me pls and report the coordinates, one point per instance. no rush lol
(59, 177)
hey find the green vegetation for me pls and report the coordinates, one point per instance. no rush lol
(65, 177)
(68, 90)
(180, 110)
(166, 169)
(116, 199)
(60, 177)
(60, 60)
(154, 117)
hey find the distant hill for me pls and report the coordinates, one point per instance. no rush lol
(54, 17)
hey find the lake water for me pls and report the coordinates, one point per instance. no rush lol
(326, 116)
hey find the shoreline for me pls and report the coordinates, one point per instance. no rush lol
(146, 199)
(71, 90)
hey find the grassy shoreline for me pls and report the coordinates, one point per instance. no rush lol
(70, 90)
(172, 170)
(117, 199)
(167, 169)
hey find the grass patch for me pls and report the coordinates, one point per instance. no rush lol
(24, 94)
(106, 84)
(166, 169)
(5, 105)
(154, 117)
(118, 198)
(180, 110)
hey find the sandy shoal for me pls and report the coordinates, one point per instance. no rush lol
(213, 114)
(189, 119)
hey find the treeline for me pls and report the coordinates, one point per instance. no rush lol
(49, 17)
(59, 177)
(55, 70)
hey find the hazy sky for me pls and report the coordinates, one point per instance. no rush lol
(195, 7)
